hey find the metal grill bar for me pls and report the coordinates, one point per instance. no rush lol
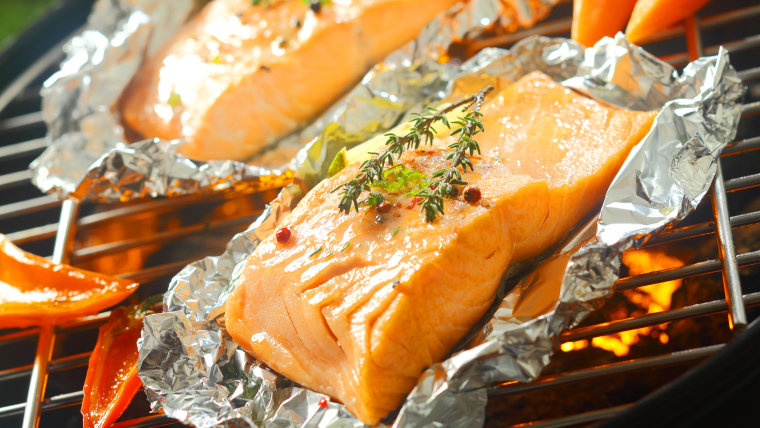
(152, 208)
(674, 358)
(163, 238)
(708, 266)
(21, 122)
(48, 59)
(147, 421)
(649, 320)
(580, 418)
(736, 46)
(38, 379)
(28, 206)
(59, 364)
(15, 179)
(742, 183)
(737, 316)
(150, 274)
(701, 229)
(33, 234)
(26, 148)
(52, 403)
(742, 146)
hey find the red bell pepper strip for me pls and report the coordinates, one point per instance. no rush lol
(36, 291)
(594, 19)
(651, 16)
(112, 380)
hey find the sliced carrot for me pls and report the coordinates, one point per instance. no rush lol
(651, 16)
(594, 19)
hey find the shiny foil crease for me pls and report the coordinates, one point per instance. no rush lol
(195, 373)
(87, 157)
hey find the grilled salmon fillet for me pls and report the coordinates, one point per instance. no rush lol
(357, 305)
(238, 77)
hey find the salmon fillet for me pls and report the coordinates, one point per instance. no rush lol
(357, 305)
(238, 77)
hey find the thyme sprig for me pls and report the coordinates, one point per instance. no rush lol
(422, 131)
(446, 178)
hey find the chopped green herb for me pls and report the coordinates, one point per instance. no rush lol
(374, 199)
(401, 179)
(395, 231)
(174, 99)
(315, 252)
(345, 246)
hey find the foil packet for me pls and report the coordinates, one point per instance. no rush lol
(88, 158)
(195, 373)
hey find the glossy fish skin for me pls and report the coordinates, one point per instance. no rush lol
(237, 76)
(357, 305)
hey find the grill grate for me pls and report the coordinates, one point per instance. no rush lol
(42, 369)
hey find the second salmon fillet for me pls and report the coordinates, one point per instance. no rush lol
(357, 305)
(239, 76)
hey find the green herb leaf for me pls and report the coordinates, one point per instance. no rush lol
(374, 199)
(395, 231)
(345, 246)
(315, 252)
(174, 99)
(400, 179)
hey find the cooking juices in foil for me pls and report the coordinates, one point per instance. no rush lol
(88, 158)
(197, 374)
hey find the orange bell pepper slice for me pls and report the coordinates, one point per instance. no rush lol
(594, 19)
(112, 380)
(651, 16)
(35, 291)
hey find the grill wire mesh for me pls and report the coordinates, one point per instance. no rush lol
(42, 369)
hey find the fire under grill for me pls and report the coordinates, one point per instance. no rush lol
(690, 292)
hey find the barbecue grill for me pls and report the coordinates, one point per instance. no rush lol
(42, 369)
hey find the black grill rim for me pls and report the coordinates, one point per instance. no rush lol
(64, 17)
(714, 392)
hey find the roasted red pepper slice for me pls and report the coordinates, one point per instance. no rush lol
(35, 291)
(112, 380)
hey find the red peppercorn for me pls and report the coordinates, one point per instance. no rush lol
(282, 235)
(323, 403)
(471, 194)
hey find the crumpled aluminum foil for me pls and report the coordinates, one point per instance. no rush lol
(87, 157)
(195, 373)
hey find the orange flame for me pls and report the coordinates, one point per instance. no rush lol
(651, 298)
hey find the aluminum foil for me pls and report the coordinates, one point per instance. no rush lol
(195, 373)
(87, 157)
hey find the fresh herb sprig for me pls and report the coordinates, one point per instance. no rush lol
(446, 178)
(421, 131)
